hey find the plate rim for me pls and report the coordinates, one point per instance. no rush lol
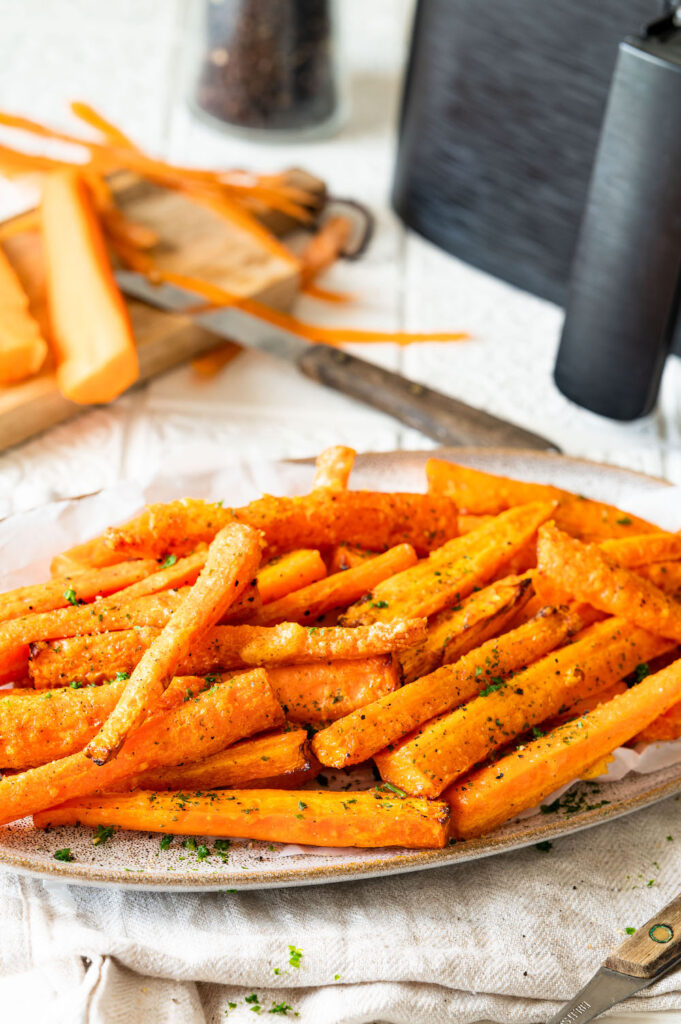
(96, 875)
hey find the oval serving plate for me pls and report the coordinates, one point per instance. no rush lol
(136, 860)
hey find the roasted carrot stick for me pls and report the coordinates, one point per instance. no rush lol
(454, 632)
(22, 346)
(362, 819)
(195, 729)
(74, 589)
(232, 561)
(480, 493)
(93, 554)
(493, 794)
(642, 549)
(372, 520)
(468, 522)
(178, 573)
(283, 756)
(364, 733)
(453, 571)
(96, 353)
(38, 727)
(290, 572)
(322, 692)
(93, 659)
(588, 575)
(333, 467)
(338, 590)
(347, 556)
(665, 575)
(426, 762)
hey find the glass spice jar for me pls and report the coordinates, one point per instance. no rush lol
(270, 67)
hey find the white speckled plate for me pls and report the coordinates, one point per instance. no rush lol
(136, 859)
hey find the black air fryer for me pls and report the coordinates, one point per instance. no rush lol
(522, 121)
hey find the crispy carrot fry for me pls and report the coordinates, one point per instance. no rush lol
(664, 727)
(581, 707)
(453, 571)
(74, 589)
(372, 520)
(480, 493)
(197, 728)
(39, 727)
(347, 556)
(665, 575)
(454, 632)
(364, 819)
(22, 346)
(338, 590)
(588, 575)
(495, 793)
(93, 554)
(178, 573)
(319, 693)
(232, 561)
(283, 756)
(468, 522)
(642, 549)
(93, 659)
(290, 572)
(333, 467)
(364, 733)
(429, 760)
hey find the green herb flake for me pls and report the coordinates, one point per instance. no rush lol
(70, 595)
(166, 841)
(295, 956)
(388, 786)
(75, 685)
(544, 847)
(120, 677)
(281, 1008)
(253, 998)
(170, 560)
(624, 521)
(104, 833)
(64, 854)
(630, 931)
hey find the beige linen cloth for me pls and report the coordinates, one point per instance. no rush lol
(502, 939)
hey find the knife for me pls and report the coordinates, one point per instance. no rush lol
(654, 950)
(438, 416)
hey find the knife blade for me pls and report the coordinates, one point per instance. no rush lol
(445, 419)
(639, 961)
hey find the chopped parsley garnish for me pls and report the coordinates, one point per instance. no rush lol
(70, 595)
(104, 832)
(75, 685)
(222, 845)
(282, 1008)
(492, 687)
(544, 847)
(64, 854)
(170, 560)
(295, 956)
(630, 931)
(166, 841)
(378, 604)
(120, 677)
(640, 672)
(190, 844)
(392, 789)
(212, 678)
(202, 852)
(253, 998)
(624, 521)
(537, 732)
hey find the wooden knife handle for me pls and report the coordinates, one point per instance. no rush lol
(654, 948)
(438, 416)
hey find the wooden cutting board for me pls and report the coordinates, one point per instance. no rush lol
(194, 241)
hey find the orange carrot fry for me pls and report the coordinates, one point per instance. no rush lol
(333, 467)
(454, 632)
(39, 727)
(429, 760)
(493, 794)
(318, 693)
(642, 549)
(96, 352)
(453, 571)
(74, 589)
(93, 554)
(176, 573)
(371, 520)
(665, 575)
(197, 728)
(22, 346)
(347, 556)
(364, 733)
(232, 561)
(290, 572)
(338, 590)
(283, 756)
(468, 522)
(364, 819)
(480, 493)
(588, 575)
(93, 659)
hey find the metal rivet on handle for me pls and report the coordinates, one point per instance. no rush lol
(661, 933)
(341, 357)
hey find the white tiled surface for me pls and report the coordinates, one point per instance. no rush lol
(130, 59)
